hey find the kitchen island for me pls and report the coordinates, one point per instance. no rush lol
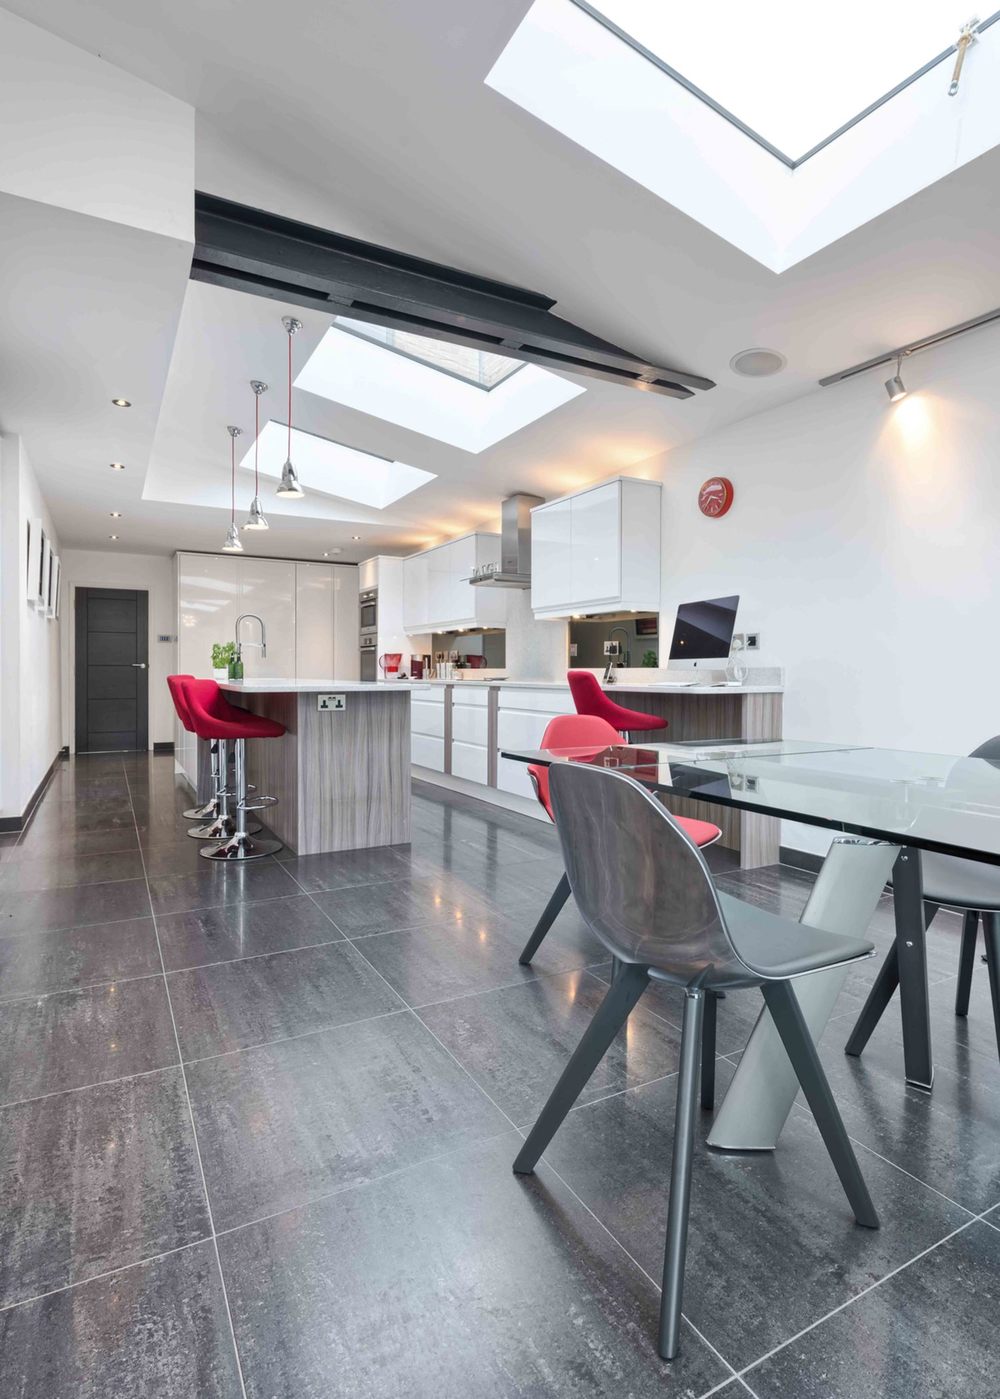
(341, 772)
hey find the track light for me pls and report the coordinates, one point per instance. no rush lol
(289, 486)
(895, 387)
(256, 519)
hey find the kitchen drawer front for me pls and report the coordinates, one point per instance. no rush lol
(427, 752)
(550, 702)
(427, 718)
(471, 761)
(470, 724)
(513, 778)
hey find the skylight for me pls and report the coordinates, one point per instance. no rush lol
(791, 74)
(333, 469)
(354, 370)
(695, 105)
(477, 367)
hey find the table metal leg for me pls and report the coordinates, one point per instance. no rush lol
(760, 1097)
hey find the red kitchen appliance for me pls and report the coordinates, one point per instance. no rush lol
(389, 663)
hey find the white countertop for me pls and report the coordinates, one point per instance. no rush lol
(279, 686)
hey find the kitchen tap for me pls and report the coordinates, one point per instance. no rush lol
(261, 644)
(609, 678)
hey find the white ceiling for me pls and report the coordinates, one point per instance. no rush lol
(372, 117)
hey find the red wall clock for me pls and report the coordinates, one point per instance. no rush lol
(715, 496)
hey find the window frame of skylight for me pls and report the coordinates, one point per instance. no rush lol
(792, 164)
(429, 364)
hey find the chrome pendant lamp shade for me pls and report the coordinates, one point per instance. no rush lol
(256, 519)
(233, 544)
(289, 486)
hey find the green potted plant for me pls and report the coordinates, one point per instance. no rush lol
(223, 655)
(649, 659)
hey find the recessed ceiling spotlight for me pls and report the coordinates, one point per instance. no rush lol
(328, 553)
(757, 363)
(115, 514)
(121, 403)
(117, 466)
(112, 536)
(355, 536)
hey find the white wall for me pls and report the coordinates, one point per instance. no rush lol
(152, 573)
(29, 641)
(862, 542)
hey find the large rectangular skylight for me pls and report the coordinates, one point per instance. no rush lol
(792, 74)
(353, 370)
(477, 367)
(333, 469)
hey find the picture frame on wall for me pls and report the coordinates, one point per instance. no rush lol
(52, 610)
(45, 556)
(34, 560)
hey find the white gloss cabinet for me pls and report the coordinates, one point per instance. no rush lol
(437, 594)
(267, 588)
(326, 621)
(597, 550)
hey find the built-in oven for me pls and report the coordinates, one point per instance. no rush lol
(369, 658)
(368, 610)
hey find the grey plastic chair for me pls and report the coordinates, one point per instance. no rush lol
(647, 894)
(974, 890)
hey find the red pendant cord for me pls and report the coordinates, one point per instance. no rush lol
(289, 456)
(232, 457)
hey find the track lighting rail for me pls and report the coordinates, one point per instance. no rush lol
(904, 351)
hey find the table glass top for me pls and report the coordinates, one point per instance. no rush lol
(933, 801)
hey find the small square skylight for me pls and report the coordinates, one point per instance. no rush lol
(477, 367)
(333, 469)
(352, 369)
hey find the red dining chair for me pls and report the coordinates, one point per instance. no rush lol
(214, 718)
(586, 731)
(590, 699)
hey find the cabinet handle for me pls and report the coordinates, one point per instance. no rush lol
(138, 665)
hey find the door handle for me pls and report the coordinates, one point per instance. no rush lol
(138, 665)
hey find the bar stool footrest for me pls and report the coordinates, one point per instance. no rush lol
(256, 803)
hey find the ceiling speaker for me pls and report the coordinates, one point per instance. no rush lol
(757, 363)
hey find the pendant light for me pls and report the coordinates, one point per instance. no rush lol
(256, 518)
(232, 544)
(289, 477)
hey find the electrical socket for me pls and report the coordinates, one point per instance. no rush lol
(753, 641)
(328, 702)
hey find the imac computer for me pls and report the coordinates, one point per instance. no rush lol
(703, 634)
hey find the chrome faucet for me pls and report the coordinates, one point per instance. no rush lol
(261, 644)
(622, 656)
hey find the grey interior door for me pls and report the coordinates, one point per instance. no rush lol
(112, 675)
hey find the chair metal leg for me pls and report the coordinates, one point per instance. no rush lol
(611, 1015)
(209, 810)
(991, 929)
(708, 1051)
(550, 913)
(882, 992)
(680, 1174)
(781, 1001)
(966, 961)
(239, 847)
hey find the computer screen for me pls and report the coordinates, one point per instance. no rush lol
(704, 630)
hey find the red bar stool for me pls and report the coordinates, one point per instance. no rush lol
(586, 731)
(214, 717)
(210, 811)
(591, 700)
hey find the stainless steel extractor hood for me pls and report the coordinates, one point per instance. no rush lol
(514, 568)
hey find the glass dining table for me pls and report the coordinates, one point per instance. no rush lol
(885, 807)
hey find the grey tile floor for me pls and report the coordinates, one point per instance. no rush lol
(256, 1130)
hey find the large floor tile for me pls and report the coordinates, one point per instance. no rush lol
(930, 1331)
(516, 1042)
(51, 909)
(72, 1038)
(399, 903)
(455, 956)
(344, 869)
(773, 1245)
(453, 1280)
(242, 930)
(62, 871)
(94, 1180)
(213, 885)
(236, 1004)
(64, 819)
(36, 963)
(71, 845)
(283, 1124)
(153, 1331)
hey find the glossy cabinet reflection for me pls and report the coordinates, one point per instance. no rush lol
(326, 621)
(437, 594)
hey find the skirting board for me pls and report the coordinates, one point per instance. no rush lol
(164, 747)
(524, 806)
(18, 823)
(800, 859)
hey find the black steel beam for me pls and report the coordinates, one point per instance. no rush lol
(254, 251)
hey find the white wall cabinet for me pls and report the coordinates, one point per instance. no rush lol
(437, 594)
(597, 550)
(326, 621)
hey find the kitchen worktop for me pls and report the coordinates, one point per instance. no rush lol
(619, 687)
(280, 686)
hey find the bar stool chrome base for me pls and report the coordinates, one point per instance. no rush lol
(241, 847)
(222, 828)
